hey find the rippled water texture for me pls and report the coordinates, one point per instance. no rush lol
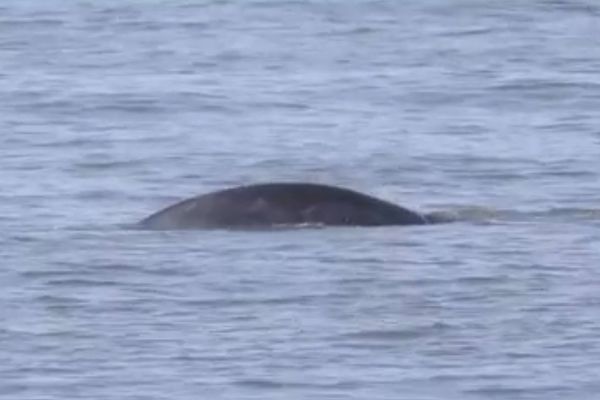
(489, 110)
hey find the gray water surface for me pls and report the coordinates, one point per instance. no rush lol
(488, 110)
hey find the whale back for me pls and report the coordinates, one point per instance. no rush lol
(275, 204)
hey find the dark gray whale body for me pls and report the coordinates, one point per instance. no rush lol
(277, 204)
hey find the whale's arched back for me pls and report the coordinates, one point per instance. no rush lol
(274, 204)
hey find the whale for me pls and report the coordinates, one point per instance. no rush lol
(284, 204)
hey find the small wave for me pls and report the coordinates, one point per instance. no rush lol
(108, 164)
(81, 283)
(551, 214)
(385, 335)
(479, 214)
(573, 212)
(468, 32)
(354, 31)
(260, 383)
(468, 214)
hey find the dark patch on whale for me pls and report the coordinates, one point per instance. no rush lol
(283, 204)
